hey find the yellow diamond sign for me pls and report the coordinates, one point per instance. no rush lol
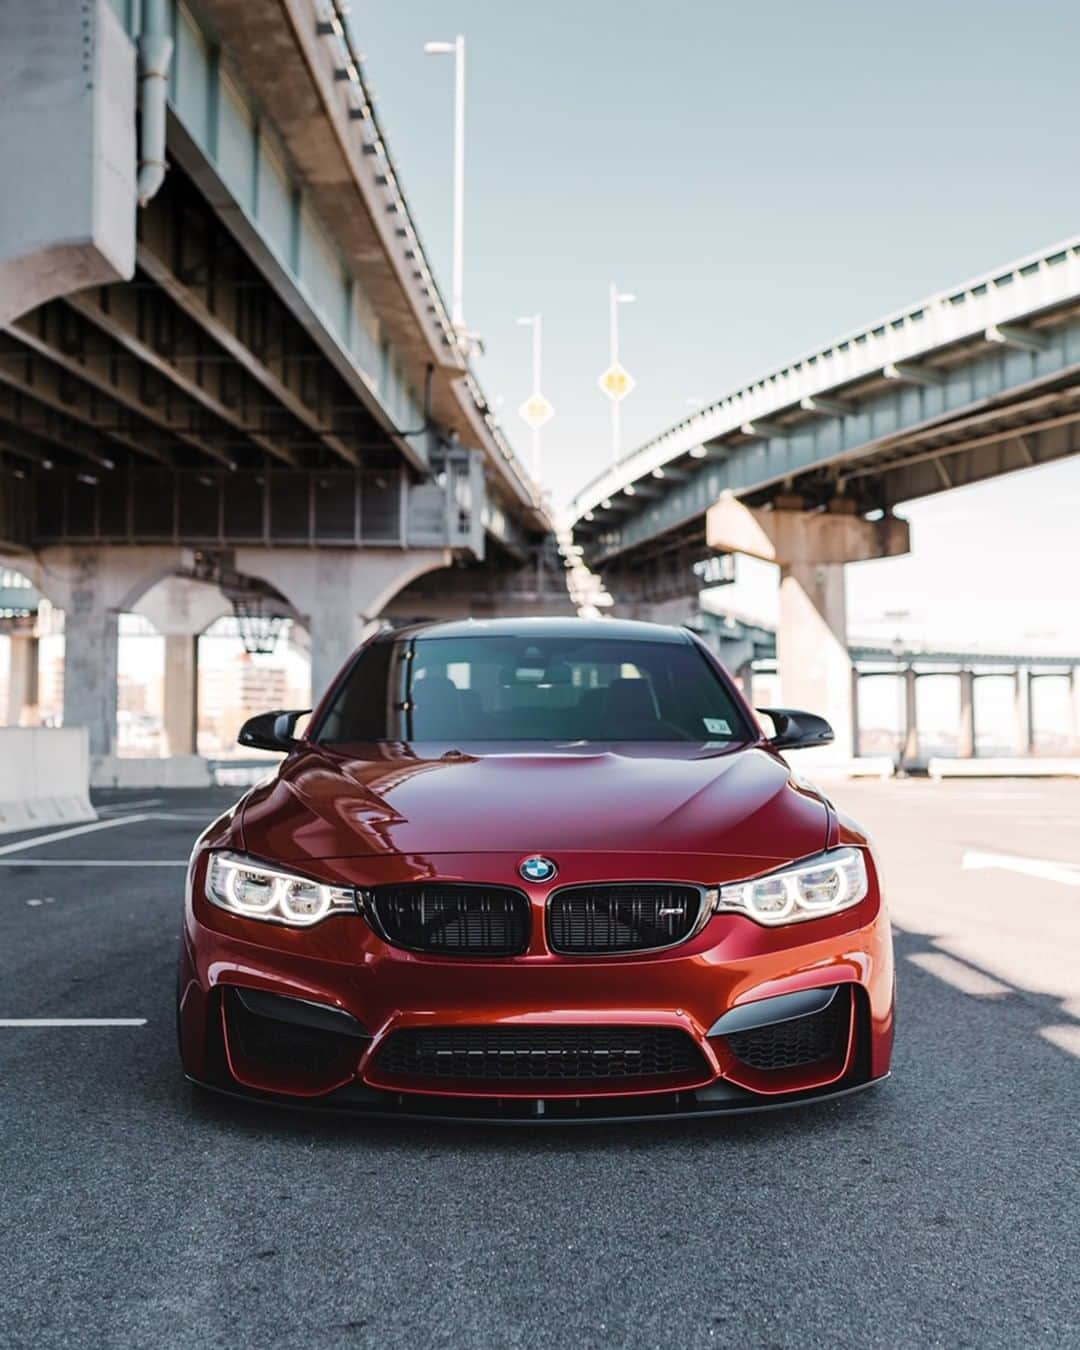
(616, 382)
(536, 410)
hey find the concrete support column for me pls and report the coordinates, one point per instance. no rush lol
(22, 678)
(337, 593)
(744, 677)
(811, 549)
(855, 711)
(966, 747)
(1024, 731)
(910, 752)
(93, 587)
(811, 645)
(334, 637)
(1074, 706)
(181, 693)
(91, 643)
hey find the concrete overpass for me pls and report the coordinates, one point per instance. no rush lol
(228, 379)
(806, 466)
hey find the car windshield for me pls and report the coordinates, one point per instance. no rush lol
(493, 688)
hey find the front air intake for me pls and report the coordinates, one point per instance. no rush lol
(798, 1042)
(541, 1053)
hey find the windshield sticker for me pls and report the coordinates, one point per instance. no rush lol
(717, 726)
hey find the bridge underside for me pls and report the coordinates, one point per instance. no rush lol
(786, 485)
(191, 405)
(186, 429)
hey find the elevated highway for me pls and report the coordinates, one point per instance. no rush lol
(227, 375)
(806, 466)
(749, 649)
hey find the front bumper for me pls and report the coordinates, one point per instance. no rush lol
(384, 991)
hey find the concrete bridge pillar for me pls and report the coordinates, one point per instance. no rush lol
(91, 644)
(337, 593)
(22, 679)
(180, 609)
(1024, 686)
(811, 645)
(1074, 706)
(966, 747)
(181, 693)
(811, 549)
(909, 753)
(93, 586)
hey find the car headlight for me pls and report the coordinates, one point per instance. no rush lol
(243, 886)
(823, 885)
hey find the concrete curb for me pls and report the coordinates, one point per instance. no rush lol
(1032, 767)
(177, 771)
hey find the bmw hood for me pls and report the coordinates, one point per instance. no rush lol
(390, 799)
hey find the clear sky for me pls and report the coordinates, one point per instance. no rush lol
(764, 177)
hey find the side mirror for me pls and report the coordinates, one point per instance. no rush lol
(797, 730)
(271, 730)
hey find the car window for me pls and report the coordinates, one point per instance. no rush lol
(488, 688)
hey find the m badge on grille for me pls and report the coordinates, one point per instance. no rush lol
(537, 869)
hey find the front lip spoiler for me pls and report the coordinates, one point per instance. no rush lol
(692, 1110)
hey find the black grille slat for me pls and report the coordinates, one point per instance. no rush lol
(452, 920)
(793, 1044)
(598, 919)
(541, 1053)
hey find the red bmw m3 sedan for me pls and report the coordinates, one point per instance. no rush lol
(535, 869)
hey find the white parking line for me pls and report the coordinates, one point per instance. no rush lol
(91, 862)
(200, 817)
(129, 806)
(1067, 873)
(72, 1021)
(71, 833)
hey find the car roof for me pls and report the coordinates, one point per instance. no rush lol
(628, 630)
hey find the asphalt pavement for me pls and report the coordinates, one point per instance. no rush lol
(940, 1209)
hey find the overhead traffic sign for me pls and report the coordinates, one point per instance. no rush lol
(616, 382)
(536, 411)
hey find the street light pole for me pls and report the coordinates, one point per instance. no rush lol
(457, 302)
(536, 323)
(615, 299)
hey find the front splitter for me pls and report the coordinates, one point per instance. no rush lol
(401, 1106)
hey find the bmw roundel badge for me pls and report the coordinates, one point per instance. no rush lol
(537, 869)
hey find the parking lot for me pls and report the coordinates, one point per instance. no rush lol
(938, 1210)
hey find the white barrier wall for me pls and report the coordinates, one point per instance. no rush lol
(44, 777)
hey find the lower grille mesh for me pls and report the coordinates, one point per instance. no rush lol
(621, 918)
(452, 920)
(803, 1040)
(517, 1053)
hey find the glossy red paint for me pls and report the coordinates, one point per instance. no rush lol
(391, 799)
(366, 816)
